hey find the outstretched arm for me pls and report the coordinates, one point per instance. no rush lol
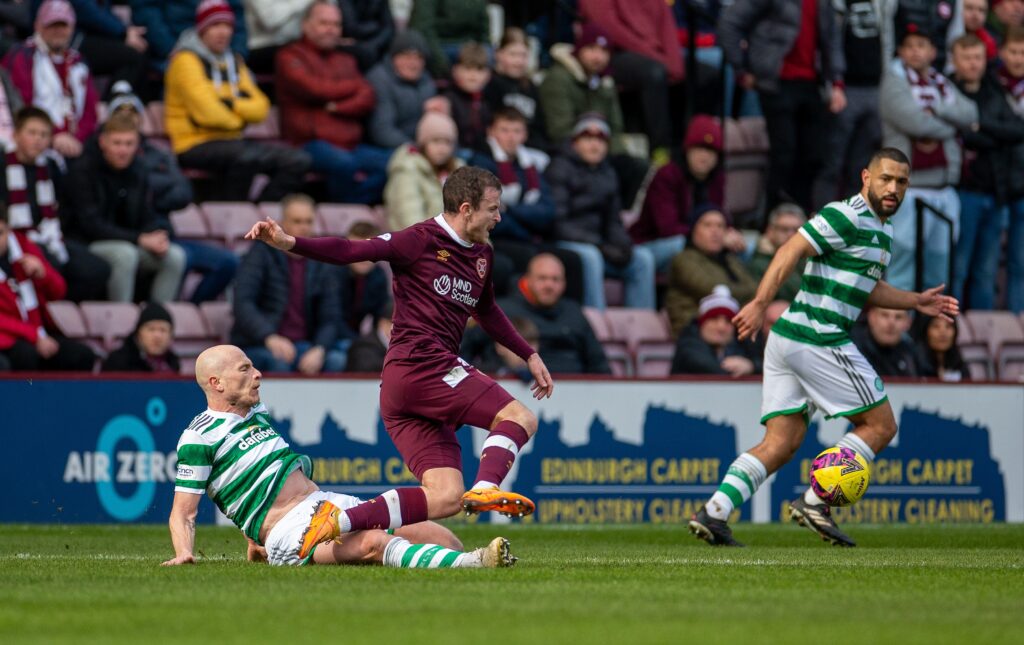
(930, 302)
(334, 250)
(749, 320)
(183, 528)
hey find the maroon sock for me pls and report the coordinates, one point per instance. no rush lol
(397, 507)
(499, 452)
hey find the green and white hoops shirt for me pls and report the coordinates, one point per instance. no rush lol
(810, 361)
(240, 461)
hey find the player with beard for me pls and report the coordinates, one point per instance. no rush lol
(810, 362)
(442, 276)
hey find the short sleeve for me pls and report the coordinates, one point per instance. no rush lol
(830, 230)
(195, 461)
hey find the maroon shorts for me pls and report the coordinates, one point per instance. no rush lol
(423, 403)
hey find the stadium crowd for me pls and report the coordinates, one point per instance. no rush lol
(141, 137)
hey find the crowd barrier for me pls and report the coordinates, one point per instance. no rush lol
(103, 450)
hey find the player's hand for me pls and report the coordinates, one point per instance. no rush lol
(737, 366)
(933, 303)
(32, 266)
(282, 348)
(749, 320)
(188, 558)
(543, 385)
(270, 232)
(313, 360)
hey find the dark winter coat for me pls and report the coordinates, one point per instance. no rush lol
(694, 356)
(990, 152)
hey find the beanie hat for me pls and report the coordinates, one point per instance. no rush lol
(434, 125)
(121, 95)
(592, 34)
(212, 12)
(153, 311)
(718, 303)
(704, 132)
(588, 123)
(52, 12)
(409, 40)
(701, 210)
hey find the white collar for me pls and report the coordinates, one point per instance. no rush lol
(443, 223)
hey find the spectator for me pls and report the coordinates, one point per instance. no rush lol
(528, 208)
(446, 24)
(470, 75)
(170, 190)
(647, 58)
(416, 173)
(783, 223)
(793, 48)
(365, 286)
(52, 76)
(922, 116)
(324, 100)
(286, 308)
(678, 186)
(709, 55)
(704, 263)
(271, 24)
(33, 189)
(588, 221)
(975, 13)
(148, 348)
(114, 214)
(28, 340)
(1005, 14)
(511, 86)
(366, 355)
(578, 83)
(1011, 77)
(941, 20)
(854, 133)
(10, 103)
(112, 48)
(567, 342)
(709, 346)
(984, 186)
(938, 355)
(166, 20)
(496, 359)
(369, 29)
(404, 91)
(882, 342)
(209, 99)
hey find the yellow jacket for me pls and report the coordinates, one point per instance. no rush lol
(195, 110)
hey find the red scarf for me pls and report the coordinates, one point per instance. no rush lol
(21, 284)
(46, 232)
(929, 89)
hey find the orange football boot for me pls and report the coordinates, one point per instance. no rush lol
(322, 528)
(480, 500)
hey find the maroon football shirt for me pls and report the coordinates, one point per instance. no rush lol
(440, 281)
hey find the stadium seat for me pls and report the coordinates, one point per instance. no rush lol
(647, 337)
(615, 350)
(614, 292)
(155, 118)
(746, 166)
(996, 328)
(229, 221)
(191, 333)
(109, 322)
(974, 352)
(270, 209)
(190, 224)
(219, 319)
(268, 128)
(68, 319)
(337, 219)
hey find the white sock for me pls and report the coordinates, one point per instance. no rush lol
(401, 553)
(482, 484)
(743, 478)
(344, 523)
(853, 442)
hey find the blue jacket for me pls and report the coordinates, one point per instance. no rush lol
(261, 298)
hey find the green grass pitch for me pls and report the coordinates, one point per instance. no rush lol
(576, 585)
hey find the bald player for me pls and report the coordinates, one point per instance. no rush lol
(232, 452)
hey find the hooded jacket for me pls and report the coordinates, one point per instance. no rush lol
(399, 105)
(413, 192)
(208, 97)
(566, 93)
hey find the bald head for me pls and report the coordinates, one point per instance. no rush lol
(228, 378)
(545, 279)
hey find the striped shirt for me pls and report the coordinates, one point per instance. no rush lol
(240, 461)
(853, 249)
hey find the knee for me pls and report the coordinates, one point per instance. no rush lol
(887, 430)
(121, 256)
(176, 259)
(519, 414)
(782, 448)
(297, 161)
(444, 500)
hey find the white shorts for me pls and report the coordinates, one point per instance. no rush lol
(285, 538)
(800, 378)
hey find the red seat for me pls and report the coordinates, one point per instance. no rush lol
(615, 350)
(189, 223)
(68, 319)
(191, 333)
(638, 327)
(219, 319)
(337, 219)
(229, 221)
(109, 322)
(155, 118)
(268, 128)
